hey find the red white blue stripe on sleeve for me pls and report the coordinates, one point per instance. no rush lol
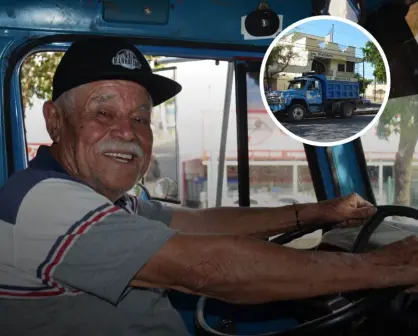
(62, 245)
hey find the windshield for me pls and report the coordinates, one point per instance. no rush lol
(391, 145)
(297, 85)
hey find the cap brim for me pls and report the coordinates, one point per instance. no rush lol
(159, 87)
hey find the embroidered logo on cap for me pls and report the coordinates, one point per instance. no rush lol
(127, 59)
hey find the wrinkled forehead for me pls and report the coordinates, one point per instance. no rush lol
(116, 90)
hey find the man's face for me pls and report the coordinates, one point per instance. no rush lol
(107, 140)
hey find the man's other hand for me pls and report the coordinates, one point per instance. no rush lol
(349, 211)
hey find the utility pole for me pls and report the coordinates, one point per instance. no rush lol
(364, 82)
(330, 34)
(375, 88)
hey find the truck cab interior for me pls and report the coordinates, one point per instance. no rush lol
(182, 39)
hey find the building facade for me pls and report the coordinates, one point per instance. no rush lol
(319, 54)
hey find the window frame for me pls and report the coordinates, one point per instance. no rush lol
(22, 48)
(319, 170)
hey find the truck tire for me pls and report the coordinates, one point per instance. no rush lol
(296, 112)
(329, 114)
(347, 111)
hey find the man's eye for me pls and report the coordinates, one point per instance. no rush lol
(140, 120)
(102, 113)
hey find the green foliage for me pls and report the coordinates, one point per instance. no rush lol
(372, 55)
(399, 113)
(364, 82)
(279, 59)
(36, 76)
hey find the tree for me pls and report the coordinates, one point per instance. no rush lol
(401, 112)
(278, 60)
(400, 117)
(372, 55)
(36, 76)
(364, 82)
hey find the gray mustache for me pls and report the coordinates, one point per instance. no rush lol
(115, 146)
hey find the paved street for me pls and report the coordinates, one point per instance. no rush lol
(322, 129)
(329, 130)
(368, 108)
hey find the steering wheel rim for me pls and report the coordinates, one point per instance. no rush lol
(350, 311)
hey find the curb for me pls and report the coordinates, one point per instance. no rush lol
(365, 112)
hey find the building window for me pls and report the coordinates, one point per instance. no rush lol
(350, 67)
(341, 67)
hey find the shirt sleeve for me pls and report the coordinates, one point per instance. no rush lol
(73, 238)
(152, 209)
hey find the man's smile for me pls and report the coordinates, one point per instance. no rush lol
(123, 157)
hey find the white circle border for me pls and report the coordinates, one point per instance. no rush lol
(378, 114)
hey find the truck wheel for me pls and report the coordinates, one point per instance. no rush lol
(347, 111)
(297, 112)
(329, 114)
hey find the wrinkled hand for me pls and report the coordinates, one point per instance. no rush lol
(404, 255)
(349, 211)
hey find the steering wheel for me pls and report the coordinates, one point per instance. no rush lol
(343, 307)
(144, 193)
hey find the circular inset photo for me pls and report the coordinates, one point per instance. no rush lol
(325, 80)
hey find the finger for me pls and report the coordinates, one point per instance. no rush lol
(363, 212)
(351, 223)
(361, 202)
(413, 289)
(365, 203)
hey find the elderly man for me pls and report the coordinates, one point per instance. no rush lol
(81, 257)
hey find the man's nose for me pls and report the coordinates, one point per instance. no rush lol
(123, 129)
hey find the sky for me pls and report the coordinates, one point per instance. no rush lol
(344, 34)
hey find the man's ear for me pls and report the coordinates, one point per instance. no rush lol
(54, 120)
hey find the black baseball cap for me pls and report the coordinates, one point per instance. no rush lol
(105, 58)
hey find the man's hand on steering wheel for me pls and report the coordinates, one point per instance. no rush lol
(348, 211)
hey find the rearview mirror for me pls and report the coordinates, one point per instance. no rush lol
(166, 188)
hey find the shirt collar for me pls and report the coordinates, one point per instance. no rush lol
(45, 161)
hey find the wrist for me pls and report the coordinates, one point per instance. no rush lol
(307, 213)
(389, 271)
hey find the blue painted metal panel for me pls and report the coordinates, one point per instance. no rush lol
(19, 136)
(325, 170)
(347, 169)
(342, 89)
(208, 21)
(151, 12)
(314, 96)
(4, 44)
(194, 53)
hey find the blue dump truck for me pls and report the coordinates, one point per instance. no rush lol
(314, 93)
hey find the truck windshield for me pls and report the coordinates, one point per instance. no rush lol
(297, 85)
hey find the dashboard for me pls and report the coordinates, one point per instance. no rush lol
(388, 232)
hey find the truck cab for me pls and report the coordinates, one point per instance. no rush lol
(258, 161)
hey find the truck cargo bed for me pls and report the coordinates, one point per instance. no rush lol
(341, 89)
